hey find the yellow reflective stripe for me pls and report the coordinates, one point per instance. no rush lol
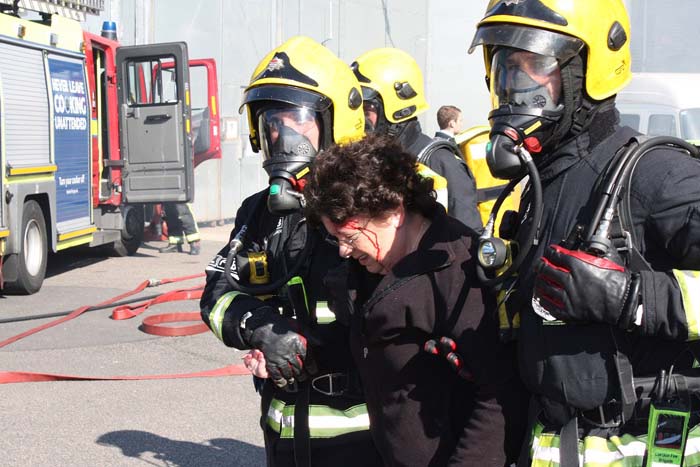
(296, 280)
(323, 313)
(595, 451)
(40, 169)
(439, 182)
(76, 233)
(324, 421)
(689, 282)
(216, 317)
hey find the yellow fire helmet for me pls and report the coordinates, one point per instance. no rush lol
(302, 72)
(396, 77)
(562, 28)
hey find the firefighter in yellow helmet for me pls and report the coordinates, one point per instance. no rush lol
(393, 95)
(608, 293)
(266, 290)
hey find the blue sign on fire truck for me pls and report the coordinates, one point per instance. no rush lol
(71, 128)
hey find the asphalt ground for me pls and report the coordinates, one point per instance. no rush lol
(171, 422)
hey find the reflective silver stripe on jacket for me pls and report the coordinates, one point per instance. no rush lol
(216, 317)
(595, 451)
(324, 421)
(323, 313)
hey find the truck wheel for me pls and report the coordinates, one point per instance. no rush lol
(31, 264)
(132, 233)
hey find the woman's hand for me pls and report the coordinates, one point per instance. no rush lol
(254, 361)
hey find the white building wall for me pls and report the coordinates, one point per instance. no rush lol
(237, 33)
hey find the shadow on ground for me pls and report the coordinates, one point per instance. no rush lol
(217, 452)
(64, 261)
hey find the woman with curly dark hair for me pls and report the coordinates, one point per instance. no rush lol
(424, 335)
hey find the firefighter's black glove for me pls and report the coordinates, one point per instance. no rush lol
(574, 286)
(284, 348)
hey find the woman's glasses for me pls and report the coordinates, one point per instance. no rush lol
(349, 240)
(345, 241)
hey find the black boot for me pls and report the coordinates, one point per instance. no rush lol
(171, 248)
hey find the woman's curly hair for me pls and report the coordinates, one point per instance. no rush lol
(368, 177)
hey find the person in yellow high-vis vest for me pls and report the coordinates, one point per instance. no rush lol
(472, 142)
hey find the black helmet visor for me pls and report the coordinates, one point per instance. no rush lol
(539, 41)
(287, 95)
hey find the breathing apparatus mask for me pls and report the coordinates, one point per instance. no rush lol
(527, 75)
(527, 101)
(373, 106)
(290, 138)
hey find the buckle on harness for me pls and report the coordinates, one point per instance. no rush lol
(608, 415)
(331, 384)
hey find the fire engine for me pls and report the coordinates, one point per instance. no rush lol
(90, 132)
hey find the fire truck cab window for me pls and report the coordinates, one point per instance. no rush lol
(152, 82)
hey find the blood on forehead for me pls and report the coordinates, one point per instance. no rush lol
(365, 232)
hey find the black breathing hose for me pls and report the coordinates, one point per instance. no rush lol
(264, 289)
(237, 244)
(596, 236)
(534, 228)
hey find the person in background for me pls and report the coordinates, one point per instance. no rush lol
(440, 388)
(392, 90)
(449, 119)
(272, 296)
(181, 227)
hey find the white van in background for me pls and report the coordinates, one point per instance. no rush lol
(662, 104)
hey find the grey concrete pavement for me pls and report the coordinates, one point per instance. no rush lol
(172, 422)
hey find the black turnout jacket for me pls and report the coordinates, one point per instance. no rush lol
(421, 411)
(570, 365)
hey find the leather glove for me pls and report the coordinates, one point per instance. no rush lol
(285, 350)
(574, 286)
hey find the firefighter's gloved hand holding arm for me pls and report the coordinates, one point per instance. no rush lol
(577, 287)
(284, 349)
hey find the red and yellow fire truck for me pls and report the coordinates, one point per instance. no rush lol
(90, 132)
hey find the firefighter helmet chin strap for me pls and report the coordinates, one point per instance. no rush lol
(290, 157)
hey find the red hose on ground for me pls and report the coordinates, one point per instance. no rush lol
(150, 325)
